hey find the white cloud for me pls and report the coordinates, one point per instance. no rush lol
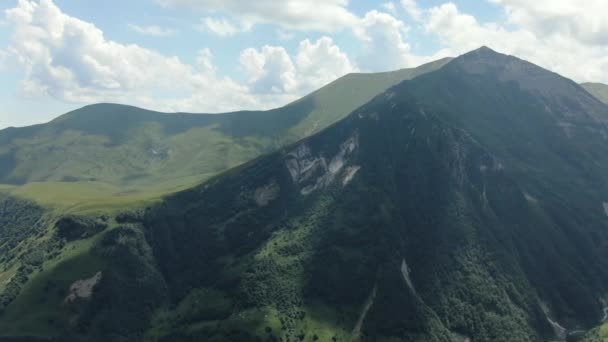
(320, 63)
(71, 60)
(314, 15)
(412, 9)
(384, 45)
(152, 30)
(205, 61)
(582, 20)
(390, 7)
(3, 57)
(382, 35)
(271, 70)
(222, 27)
(285, 35)
(462, 32)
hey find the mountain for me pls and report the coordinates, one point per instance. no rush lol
(130, 147)
(468, 203)
(599, 90)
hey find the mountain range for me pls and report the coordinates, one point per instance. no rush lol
(135, 148)
(465, 200)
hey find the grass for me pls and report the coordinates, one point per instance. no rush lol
(130, 147)
(603, 333)
(6, 276)
(319, 320)
(95, 197)
(599, 334)
(358, 88)
(39, 309)
(6, 187)
(35, 311)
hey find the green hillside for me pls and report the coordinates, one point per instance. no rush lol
(467, 204)
(599, 334)
(599, 90)
(104, 159)
(120, 151)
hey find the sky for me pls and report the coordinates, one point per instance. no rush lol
(210, 56)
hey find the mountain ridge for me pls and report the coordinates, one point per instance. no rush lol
(459, 205)
(599, 90)
(124, 143)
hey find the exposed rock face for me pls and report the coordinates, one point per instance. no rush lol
(405, 272)
(314, 172)
(267, 193)
(349, 174)
(83, 288)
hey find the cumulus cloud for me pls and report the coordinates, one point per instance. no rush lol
(390, 7)
(71, 60)
(205, 61)
(462, 32)
(285, 35)
(315, 15)
(152, 30)
(222, 26)
(585, 21)
(384, 44)
(412, 9)
(385, 48)
(3, 57)
(320, 63)
(272, 70)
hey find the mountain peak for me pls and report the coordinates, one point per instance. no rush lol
(506, 68)
(487, 61)
(487, 55)
(484, 50)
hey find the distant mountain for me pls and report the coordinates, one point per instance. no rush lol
(467, 204)
(598, 90)
(129, 146)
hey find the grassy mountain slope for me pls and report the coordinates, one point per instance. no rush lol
(139, 149)
(599, 90)
(103, 159)
(466, 203)
(599, 334)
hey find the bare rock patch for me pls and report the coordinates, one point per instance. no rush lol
(83, 288)
(267, 193)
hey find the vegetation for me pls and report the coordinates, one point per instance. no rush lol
(463, 204)
(120, 152)
(599, 334)
(72, 228)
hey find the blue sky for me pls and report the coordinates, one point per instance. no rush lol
(222, 55)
